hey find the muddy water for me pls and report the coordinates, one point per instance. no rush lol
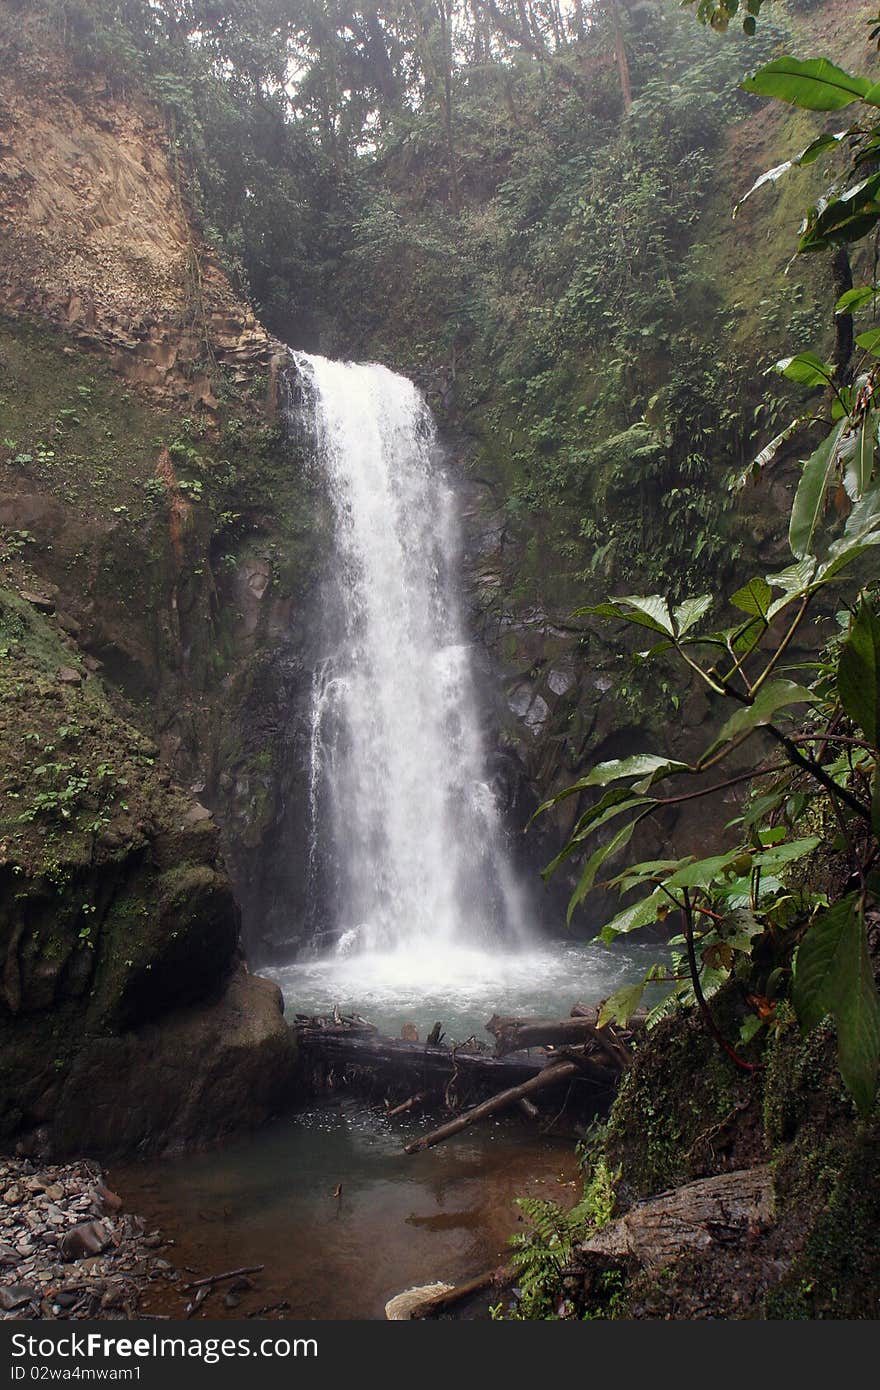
(400, 1220)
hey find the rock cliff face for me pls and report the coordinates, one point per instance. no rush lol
(127, 1017)
(148, 602)
(97, 238)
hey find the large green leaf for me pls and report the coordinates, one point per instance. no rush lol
(651, 612)
(702, 872)
(689, 613)
(644, 765)
(648, 871)
(809, 501)
(862, 531)
(620, 1006)
(753, 598)
(616, 802)
(870, 341)
(858, 673)
(777, 856)
(851, 300)
(795, 581)
(806, 156)
(833, 975)
(815, 84)
(857, 454)
(771, 698)
(640, 914)
(806, 369)
(595, 862)
(839, 220)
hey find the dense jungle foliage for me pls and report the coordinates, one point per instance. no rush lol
(528, 206)
(524, 203)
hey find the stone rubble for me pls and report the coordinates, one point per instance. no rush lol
(67, 1249)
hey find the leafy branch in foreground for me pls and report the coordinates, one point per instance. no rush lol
(819, 769)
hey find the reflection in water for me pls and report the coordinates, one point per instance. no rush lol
(400, 1220)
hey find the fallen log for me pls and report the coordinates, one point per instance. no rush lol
(517, 1034)
(459, 1293)
(406, 1067)
(720, 1210)
(550, 1076)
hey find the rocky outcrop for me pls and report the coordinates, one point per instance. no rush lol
(202, 1072)
(96, 236)
(127, 1020)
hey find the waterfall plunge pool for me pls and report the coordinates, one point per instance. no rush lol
(462, 986)
(401, 1220)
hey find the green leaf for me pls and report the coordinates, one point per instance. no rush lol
(753, 598)
(637, 875)
(806, 156)
(640, 914)
(870, 341)
(688, 613)
(620, 794)
(858, 673)
(595, 862)
(807, 369)
(740, 927)
(809, 501)
(839, 220)
(645, 765)
(857, 452)
(702, 872)
(854, 299)
(833, 975)
(614, 803)
(815, 84)
(862, 531)
(776, 856)
(651, 612)
(749, 1027)
(774, 696)
(620, 1006)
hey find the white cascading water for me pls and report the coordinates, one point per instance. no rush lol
(399, 789)
(414, 894)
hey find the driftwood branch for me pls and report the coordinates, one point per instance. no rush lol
(211, 1279)
(550, 1076)
(418, 1099)
(450, 1298)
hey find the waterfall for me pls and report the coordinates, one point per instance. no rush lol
(403, 814)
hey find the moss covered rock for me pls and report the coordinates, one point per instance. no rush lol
(116, 913)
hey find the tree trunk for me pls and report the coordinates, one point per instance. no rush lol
(620, 55)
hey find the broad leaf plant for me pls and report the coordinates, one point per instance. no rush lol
(817, 776)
